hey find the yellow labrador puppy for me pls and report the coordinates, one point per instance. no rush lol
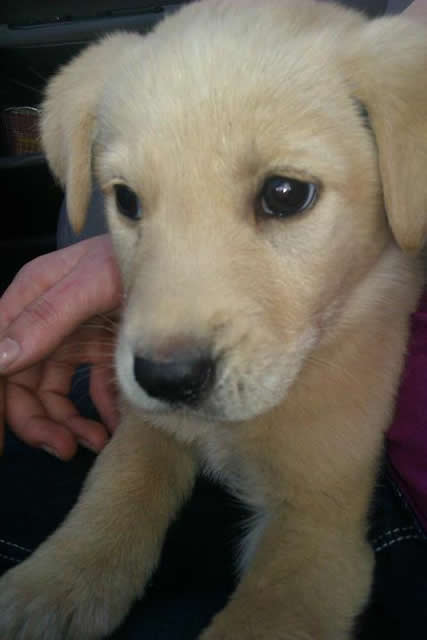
(267, 233)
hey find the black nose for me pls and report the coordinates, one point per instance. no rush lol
(180, 380)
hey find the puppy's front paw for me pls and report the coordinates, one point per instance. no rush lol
(47, 601)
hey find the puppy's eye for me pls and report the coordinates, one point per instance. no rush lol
(282, 197)
(127, 202)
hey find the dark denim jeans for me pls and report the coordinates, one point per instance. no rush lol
(196, 577)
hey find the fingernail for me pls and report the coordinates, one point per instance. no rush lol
(9, 351)
(50, 451)
(88, 445)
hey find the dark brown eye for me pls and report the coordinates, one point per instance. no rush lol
(282, 197)
(127, 202)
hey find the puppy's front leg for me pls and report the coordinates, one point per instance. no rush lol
(308, 580)
(81, 582)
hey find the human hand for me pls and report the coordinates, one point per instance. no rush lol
(43, 338)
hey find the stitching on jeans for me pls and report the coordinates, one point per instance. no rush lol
(15, 546)
(389, 543)
(391, 532)
(9, 558)
(408, 508)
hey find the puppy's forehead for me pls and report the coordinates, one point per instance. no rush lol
(231, 76)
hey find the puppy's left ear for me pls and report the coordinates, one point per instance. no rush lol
(388, 70)
(69, 118)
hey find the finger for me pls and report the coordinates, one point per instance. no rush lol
(54, 438)
(95, 345)
(53, 391)
(35, 278)
(89, 433)
(104, 395)
(28, 419)
(91, 288)
(29, 378)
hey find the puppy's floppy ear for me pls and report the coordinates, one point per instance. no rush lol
(388, 70)
(68, 123)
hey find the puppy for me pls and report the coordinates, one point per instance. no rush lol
(268, 237)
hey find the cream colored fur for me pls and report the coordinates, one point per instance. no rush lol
(308, 316)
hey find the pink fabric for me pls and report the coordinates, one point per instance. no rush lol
(407, 437)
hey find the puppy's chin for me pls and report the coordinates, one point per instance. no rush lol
(236, 396)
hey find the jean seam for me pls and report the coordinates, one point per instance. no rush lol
(391, 532)
(393, 541)
(10, 558)
(403, 500)
(15, 546)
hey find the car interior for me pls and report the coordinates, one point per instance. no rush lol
(35, 39)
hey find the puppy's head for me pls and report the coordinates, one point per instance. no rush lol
(245, 191)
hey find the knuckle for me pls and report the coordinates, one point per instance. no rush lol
(42, 312)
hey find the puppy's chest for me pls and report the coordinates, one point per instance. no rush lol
(228, 463)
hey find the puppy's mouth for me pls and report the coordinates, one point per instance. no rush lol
(200, 387)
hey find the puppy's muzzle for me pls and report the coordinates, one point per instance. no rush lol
(184, 378)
